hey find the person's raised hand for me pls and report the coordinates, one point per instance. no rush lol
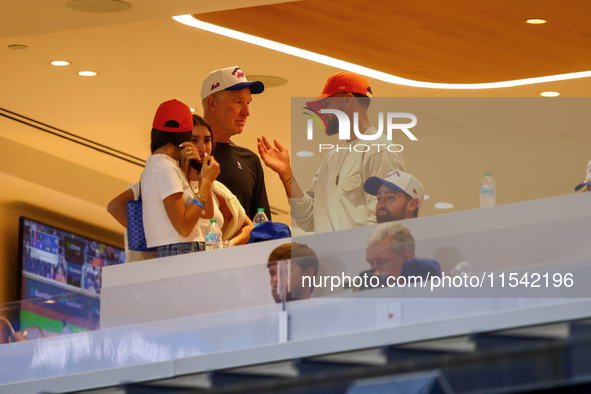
(276, 158)
(210, 169)
(188, 152)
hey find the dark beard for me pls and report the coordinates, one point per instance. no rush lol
(384, 218)
(332, 124)
(390, 217)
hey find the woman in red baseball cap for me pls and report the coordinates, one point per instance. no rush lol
(176, 212)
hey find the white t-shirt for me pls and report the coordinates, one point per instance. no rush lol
(161, 178)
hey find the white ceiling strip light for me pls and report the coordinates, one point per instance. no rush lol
(189, 20)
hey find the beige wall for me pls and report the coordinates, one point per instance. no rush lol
(54, 191)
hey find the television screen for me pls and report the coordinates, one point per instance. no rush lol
(61, 277)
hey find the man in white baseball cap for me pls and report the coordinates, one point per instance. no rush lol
(587, 181)
(226, 94)
(399, 194)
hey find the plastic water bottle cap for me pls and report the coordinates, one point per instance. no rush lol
(260, 209)
(211, 220)
(487, 174)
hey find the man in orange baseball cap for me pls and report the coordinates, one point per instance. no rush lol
(336, 199)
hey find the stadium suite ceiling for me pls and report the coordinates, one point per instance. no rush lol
(144, 57)
(457, 41)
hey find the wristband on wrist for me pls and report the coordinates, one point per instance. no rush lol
(200, 198)
(199, 203)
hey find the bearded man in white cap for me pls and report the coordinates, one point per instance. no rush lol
(226, 95)
(399, 194)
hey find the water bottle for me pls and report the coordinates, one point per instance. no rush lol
(260, 217)
(213, 236)
(461, 269)
(488, 191)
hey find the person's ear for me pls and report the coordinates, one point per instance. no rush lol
(412, 205)
(348, 97)
(309, 272)
(211, 102)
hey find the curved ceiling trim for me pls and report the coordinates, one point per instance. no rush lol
(190, 20)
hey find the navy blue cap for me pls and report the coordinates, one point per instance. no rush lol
(420, 267)
(256, 87)
(269, 230)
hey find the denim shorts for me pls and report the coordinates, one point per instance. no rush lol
(180, 248)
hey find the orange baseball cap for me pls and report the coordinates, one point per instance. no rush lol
(341, 82)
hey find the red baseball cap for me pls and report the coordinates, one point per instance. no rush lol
(341, 82)
(176, 111)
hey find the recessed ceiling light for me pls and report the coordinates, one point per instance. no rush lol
(17, 46)
(535, 21)
(304, 153)
(549, 94)
(426, 197)
(87, 73)
(98, 6)
(60, 63)
(443, 205)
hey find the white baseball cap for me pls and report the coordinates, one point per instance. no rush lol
(229, 78)
(587, 180)
(396, 180)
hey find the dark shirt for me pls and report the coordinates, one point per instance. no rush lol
(242, 173)
(423, 268)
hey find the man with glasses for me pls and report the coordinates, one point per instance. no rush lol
(336, 199)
